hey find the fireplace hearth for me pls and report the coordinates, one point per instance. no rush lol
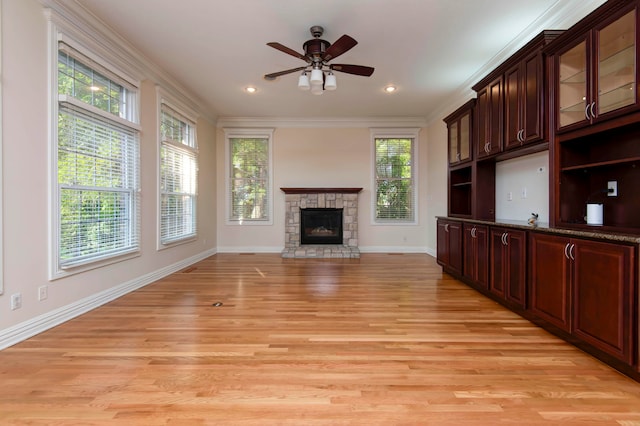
(324, 239)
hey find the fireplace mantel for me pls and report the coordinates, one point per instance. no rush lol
(321, 190)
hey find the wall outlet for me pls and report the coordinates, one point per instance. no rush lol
(509, 196)
(524, 192)
(43, 292)
(612, 187)
(16, 301)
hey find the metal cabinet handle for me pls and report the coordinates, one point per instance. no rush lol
(593, 115)
(473, 232)
(446, 227)
(521, 135)
(565, 250)
(571, 252)
(504, 238)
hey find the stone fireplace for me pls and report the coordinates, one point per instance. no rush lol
(320, 204)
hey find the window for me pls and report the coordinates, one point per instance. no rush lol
(96, 191)
(249, 176)
(178, 176)
(395, 176)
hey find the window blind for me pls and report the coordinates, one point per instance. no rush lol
(394, 179)
(97, 169)
(249, 178)
(98, 187)
(178, 177)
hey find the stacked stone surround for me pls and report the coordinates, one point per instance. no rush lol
(332, 198)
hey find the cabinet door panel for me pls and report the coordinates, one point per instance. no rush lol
(616, 64)
(572, 85)
(482, 256)
(495, 117)
(512, 107)
(497, 278)
(550, 280)
(516, 266)
(532, 105)
(603, 296)
(455, 246)
(442, 248)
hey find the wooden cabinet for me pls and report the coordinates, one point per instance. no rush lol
(523, 102)
(476, 254)
(449, 249)
(460, 178)
(603, 296)
(508, 264)
(586, 288)
(459, 131)
(550, 278)
(595, 66)
(489, 115)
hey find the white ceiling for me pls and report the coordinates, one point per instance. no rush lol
(432, 50)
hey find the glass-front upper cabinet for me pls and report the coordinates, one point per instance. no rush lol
(459, 132)
(597, 73)
(617, 64)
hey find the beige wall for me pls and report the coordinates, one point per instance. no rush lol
(437, 167)
(26, 186)
(324, 157)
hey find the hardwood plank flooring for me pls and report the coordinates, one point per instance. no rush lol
(380, 340)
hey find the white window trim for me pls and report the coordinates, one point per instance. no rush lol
(163, 97)
(230, 133)
(55, 36)
(397, 132)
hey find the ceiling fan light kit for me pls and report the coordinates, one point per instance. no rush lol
(317, 54)
(303, 81)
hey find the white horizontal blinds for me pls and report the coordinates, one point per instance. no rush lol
(178, 177)
(394, 179)
(97, 166)
(249, 178)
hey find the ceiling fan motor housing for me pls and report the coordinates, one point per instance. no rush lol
(315, 48)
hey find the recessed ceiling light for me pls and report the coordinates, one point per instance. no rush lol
(251, 89)
(390, 89)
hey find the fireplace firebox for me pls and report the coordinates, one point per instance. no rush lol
(320, 226)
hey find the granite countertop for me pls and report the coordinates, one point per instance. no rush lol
(593, 232)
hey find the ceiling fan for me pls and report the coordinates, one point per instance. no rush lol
(317, 54)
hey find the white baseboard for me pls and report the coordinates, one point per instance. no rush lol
(392, 249)
(19, 332)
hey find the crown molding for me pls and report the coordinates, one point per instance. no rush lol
(330, 122)
(73, 17)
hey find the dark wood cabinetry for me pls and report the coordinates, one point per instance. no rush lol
(604, 296)
(595, 68)
(476, 254)
(449, 250)
(489, 116)
(550, 277)
(460, 141)
(587, 289)
(511, 108)
(459, 132)
(508, 264)
(597, 116)
(523, 102)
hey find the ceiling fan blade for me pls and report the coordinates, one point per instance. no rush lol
(341, 45)
(353, 69)
(287, 50)
(274, 75)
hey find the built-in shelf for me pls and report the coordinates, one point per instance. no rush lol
(601, 164)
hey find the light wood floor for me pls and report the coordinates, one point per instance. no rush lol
(383, 340)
